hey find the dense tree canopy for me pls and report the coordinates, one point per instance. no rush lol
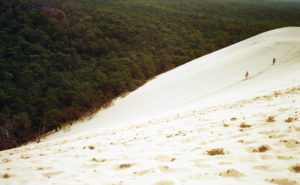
(61, 60)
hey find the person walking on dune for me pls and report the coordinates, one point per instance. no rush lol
(273, 61)
(246, 75)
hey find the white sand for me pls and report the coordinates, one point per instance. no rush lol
(169, 130)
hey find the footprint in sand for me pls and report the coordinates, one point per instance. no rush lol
(215, 151)
(266, 157)
(264, 168)
(200, 163)
(295, 168)
(231, 173)
(43, 168)
(277, 136)
(281, 157)
(296, 128)
(143, 172)
(284, 181)
(199, 176)
(260, 149)
(164, 158)
(124, 166)
(166, 169)
(5, 176)
(225, 163)
(269, 132)
(291, 143)
(25, 157)
(164, 182)
(51, 174)
(5, 160)
(93, 165)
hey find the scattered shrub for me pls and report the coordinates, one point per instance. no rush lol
(6, 176)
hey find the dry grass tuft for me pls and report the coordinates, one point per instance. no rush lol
(271, 119)
(6, 176)
(216, 151)
(91, 147)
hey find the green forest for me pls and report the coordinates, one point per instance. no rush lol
(62, 60)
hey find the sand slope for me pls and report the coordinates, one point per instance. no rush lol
(227, 132)
(253, 141)
(213, 79)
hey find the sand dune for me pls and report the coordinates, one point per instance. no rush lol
(210, 80)
(228, 131)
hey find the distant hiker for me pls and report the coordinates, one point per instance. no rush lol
(273, 61)
(246, 75)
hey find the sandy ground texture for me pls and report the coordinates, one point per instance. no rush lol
(252, 141)
(226, 131)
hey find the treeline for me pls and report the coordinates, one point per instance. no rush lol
(63, 60)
